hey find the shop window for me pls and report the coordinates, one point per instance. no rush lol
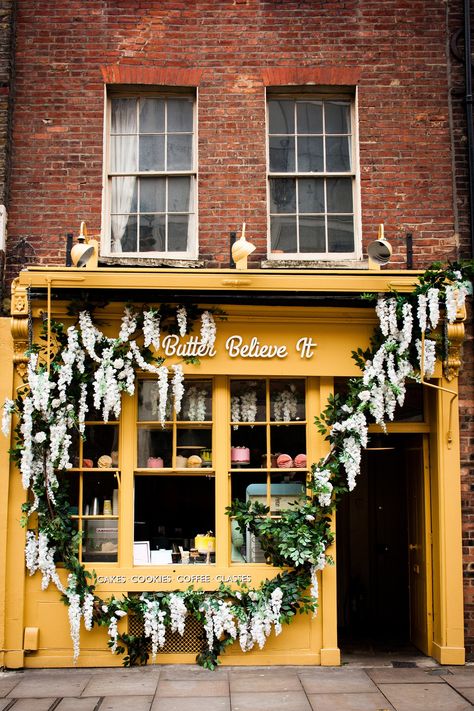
(93, 486)
(175, 478)
(151, 176)
(312, 178)
(268, 460)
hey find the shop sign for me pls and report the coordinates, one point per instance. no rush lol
(236, 347)
(187, 578)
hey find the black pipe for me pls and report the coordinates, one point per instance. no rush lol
(233, 237)
(469, 114)
(409, 243)
(69, 238)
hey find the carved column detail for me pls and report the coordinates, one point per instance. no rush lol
(455, 337)
(19, 327)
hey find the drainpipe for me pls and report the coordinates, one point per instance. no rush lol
(469, 114)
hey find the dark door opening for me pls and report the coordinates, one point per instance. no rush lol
(373, 549)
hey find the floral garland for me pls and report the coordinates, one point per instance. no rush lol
(88, 364)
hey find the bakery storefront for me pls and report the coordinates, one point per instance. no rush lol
(148, 489)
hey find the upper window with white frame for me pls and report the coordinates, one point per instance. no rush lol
(151, 178)
(312, 178)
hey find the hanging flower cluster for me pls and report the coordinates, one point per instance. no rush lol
(244, 406)
(285, 404)
(196, 398)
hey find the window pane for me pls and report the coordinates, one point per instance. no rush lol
(178, 233)
(340, 233)
(152, 116)
(282, 195)
(123, 154)
(180, 115)
(309, 116)
(179, 152)
(152, 195)
(339, 194)
(124, 116)
(312, 237)
(170, 512)
(283, 234)
(281, 116)
(178, 194)
(311, 195)
(152, 233)
(338, 118)
(310, 155)
(124, 233)
(282, 154)
(338, 157)
(124, 195)
(152, 153)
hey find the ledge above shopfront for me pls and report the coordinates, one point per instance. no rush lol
(217, 285)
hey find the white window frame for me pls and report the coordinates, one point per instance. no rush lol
(274, 93)
(106, 248)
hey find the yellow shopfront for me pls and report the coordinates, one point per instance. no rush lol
(148, 490)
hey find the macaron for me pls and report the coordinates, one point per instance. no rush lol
(300, 461)
(284, 461)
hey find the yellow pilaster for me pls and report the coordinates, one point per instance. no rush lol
(6, 387)
(330, 653)
(448, 644)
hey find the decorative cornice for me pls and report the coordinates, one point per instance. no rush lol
(455, 336)
(19, 326)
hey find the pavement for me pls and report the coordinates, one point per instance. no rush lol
(360, 685)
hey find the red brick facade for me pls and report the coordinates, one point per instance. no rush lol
(410, 122)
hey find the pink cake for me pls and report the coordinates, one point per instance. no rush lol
(240, 455)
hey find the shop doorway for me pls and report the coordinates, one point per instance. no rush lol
(384, 550)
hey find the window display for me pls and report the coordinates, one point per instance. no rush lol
(268, 432)
(174, 481)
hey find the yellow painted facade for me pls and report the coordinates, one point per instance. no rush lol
(334, 331)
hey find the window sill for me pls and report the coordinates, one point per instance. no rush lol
(149, 262)
(314, 264)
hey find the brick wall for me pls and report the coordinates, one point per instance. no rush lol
(399, 55)
(411, 123)
(6, 38)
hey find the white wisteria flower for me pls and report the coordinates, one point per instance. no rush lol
(178, 387)
(208, 329)
(8, 409)
(178, 612)
(151, 329)
(182, 319)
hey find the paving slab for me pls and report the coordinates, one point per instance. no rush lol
(33, 704)
(349, 702)
(403, 676)
(4, 703)
(127, 684)
(467, 692)
(193, 687)
(126, 703)
(75, 704)
(337, 681)
(7, 683)
(209, 703)
(265, 682)
(48, 685)
(265, 701)
(424, 697)
(460, 679)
